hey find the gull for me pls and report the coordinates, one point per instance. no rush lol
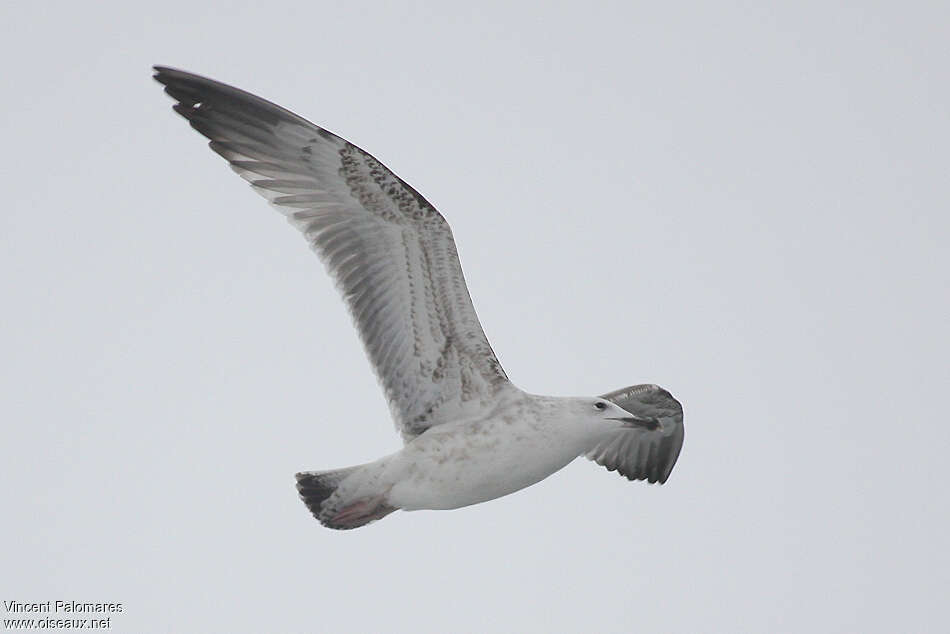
(469, 434)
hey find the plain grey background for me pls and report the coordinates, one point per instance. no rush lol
(746, 204)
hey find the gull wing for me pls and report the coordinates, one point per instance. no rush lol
(390, 252)
(644, 453)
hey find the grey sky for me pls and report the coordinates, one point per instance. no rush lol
(746, 205)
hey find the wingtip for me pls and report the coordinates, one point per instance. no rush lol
(158, 71)
(168, 70)
(168, 74)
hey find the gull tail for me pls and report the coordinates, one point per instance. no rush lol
(343, 498)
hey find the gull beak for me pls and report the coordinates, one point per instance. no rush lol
(638, 422)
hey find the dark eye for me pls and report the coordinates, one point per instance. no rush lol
(600, 405)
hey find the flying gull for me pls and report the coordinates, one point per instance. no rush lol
(469, 434)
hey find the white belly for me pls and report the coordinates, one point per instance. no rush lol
(461, 464)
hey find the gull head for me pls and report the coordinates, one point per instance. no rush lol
(607, 414)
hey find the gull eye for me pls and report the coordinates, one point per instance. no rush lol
(600, 405)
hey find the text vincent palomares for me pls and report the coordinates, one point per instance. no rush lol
(71, 607)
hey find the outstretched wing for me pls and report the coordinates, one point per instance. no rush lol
(390, 252)
(644, 453)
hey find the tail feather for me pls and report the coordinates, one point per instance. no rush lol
(335, 508)
(315, 487)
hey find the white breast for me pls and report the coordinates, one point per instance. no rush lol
(466, 463)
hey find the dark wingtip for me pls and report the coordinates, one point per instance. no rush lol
(164, 74)
(190, 89)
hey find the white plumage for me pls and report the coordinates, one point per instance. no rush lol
(470, 434)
